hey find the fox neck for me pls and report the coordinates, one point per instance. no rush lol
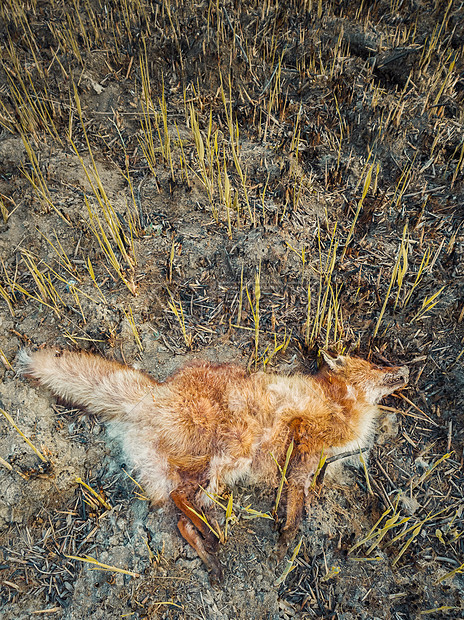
(331, 412)
(352, 415)
(351, 407)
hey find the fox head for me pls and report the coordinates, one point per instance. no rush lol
(373, 381)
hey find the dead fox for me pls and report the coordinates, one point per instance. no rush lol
(210, 425)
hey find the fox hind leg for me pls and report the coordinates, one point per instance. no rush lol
(182, 502)
(197, 533)
(195, 540)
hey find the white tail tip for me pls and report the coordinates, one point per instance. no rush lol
(24, 362)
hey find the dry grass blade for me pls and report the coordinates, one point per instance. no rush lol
(97, 496)
(366, 473)
(178, 311)
(130, 319)
(26, 439)
(255, 310)
(367, 184)
(4, 360)
(203, 153)
(37, 179)
(328, 314)
(8, 299)
(456, 571)
(282, 478)
(333, 572)
(100, 566)
(432, 467)
(415, 533)
(428, 303)
(5, 464)
(218, 533)
(251, 513)
(291, 565)
(402, 257)
(371, 534)
(269, 355)
(319, 468)
(437, 610)
(112, 232)
(229, 517)
(234, 143)
(146, 141)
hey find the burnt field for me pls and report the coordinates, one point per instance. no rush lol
(246, 182)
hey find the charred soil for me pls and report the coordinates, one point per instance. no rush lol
(243, 182)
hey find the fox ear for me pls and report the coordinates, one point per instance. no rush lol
(334, 363)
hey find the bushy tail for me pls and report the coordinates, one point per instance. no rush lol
(103, 387)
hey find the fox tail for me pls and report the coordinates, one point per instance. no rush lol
(101, 386)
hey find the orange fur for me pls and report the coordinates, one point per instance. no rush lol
(210, 425)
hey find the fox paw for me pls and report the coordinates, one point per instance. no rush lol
(215, 571)
(285, 538)
(211, 542)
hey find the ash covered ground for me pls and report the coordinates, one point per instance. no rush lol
(242, 182)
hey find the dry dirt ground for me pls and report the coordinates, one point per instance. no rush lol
(233, 181)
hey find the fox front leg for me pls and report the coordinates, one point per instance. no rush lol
(295, 502)
(302, 469)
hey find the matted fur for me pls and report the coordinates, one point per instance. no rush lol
(210, 425)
